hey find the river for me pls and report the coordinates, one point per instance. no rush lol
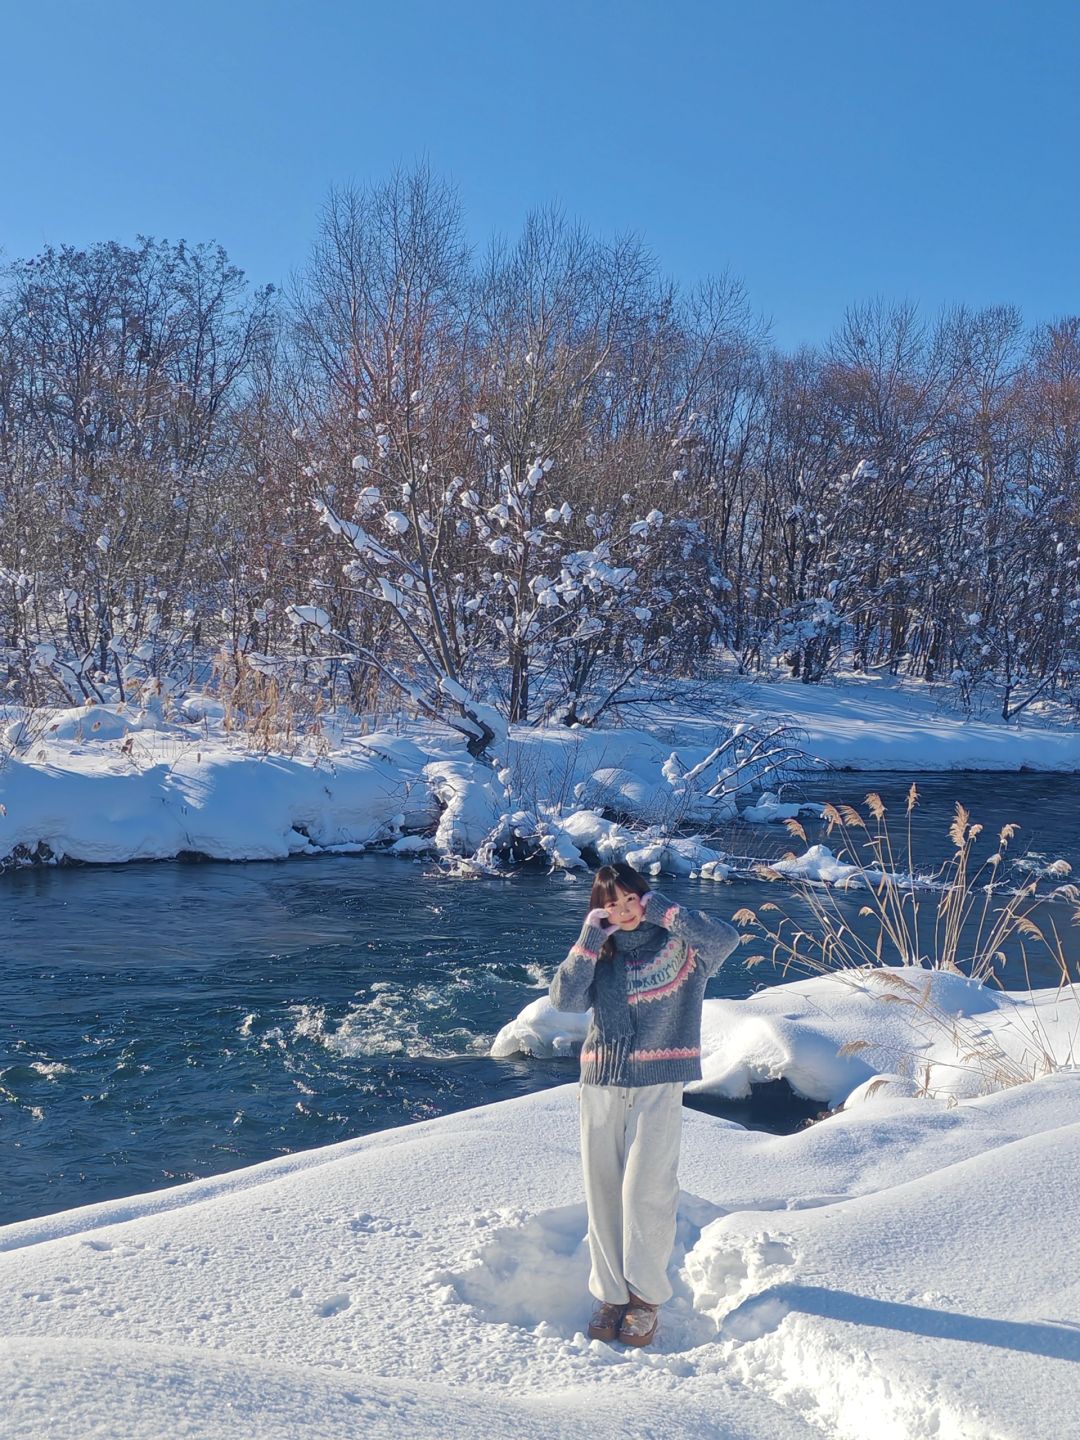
(164, 1021)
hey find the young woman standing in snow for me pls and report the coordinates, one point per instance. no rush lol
(641, 963)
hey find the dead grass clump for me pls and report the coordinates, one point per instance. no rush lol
(963, 899)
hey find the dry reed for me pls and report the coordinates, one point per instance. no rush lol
(963, 901)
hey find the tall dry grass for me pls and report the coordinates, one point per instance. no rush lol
(266, 711)
(960, 899)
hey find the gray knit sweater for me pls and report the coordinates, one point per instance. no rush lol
(646, 999)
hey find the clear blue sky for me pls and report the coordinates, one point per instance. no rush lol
(824, 151)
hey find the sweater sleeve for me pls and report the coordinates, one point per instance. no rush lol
(571, 987)
(713, 939)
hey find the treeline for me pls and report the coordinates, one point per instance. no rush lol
(543, 475)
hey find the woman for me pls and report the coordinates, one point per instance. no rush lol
(641, 963)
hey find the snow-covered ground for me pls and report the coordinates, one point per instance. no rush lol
(862, 723)
(904, 1268)
(105, 784)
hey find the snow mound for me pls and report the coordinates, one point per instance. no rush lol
(652, 852)
(540, 1030)
(859, 1313)
(723, 1273)
(83, 723)
(473, 799)
(818, 862)
(832, 1037)
(195, 707)
(639, 792)
(589, 830)
(627, 793)
(533, 1273)
(769, 809)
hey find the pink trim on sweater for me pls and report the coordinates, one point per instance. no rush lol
(688, 1052)
(669, 915)
(582, 950)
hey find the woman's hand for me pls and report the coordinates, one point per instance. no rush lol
(599, 919)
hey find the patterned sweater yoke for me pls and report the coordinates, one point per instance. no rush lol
(646, 995)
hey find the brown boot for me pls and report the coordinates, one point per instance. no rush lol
(605, 1322)
(639, 1322)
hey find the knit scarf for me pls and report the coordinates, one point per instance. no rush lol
(627, 941)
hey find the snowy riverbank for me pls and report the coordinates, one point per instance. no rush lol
(832, 1037)
(106, 784)
(899, 1268)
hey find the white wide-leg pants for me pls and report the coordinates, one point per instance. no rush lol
(630, 1138)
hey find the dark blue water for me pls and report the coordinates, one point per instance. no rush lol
(165, 1021)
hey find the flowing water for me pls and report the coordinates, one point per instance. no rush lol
(165, 1021)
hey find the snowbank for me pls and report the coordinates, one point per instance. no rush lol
(832, 1036)
(862, 722)
(95, 804)
(899, 1269)
(770, 809)
(105, 783)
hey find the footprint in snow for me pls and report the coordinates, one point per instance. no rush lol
(727, 1270)
(333, 1306)
(367, 1224)
(534, 1273)
(121, 1250)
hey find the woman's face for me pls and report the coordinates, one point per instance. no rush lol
(626, 910)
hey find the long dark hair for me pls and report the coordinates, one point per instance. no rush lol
(603, 892)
